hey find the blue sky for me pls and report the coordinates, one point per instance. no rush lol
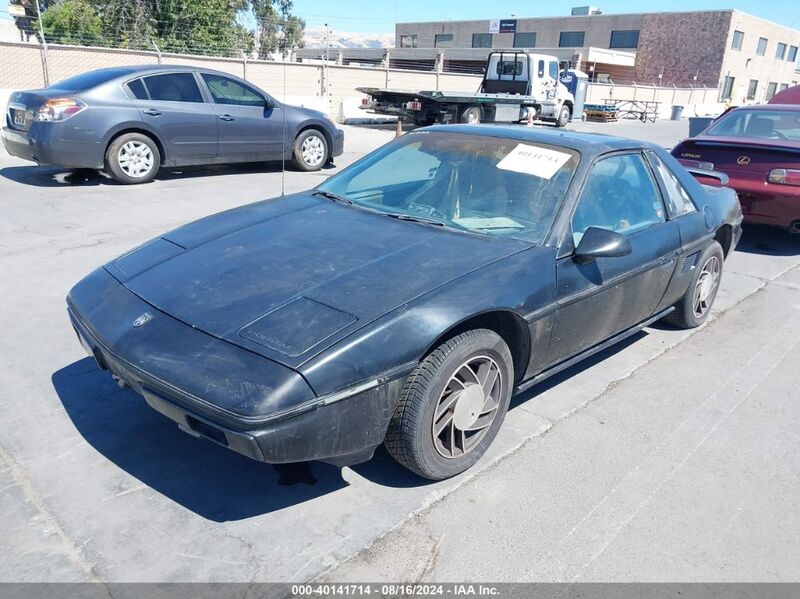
(369, 16)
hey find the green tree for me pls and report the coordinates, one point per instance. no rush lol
(278, 29)
(72, 22)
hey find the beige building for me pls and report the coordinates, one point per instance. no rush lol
(747, 58)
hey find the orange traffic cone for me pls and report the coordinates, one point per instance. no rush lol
(398, 130)
(530, 118)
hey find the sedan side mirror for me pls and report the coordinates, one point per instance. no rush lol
(601, 243)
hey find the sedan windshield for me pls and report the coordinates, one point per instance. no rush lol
(489, 185)
(758, 124)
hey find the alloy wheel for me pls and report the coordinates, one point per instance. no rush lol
(467, 407)
(706, 286)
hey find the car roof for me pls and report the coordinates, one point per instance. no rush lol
(770, 107)
(584, 143)
(127, 71)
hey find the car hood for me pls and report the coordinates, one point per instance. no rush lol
(288, 277)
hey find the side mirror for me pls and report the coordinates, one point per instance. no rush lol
(601, 243)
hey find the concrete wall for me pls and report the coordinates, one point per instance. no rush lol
(597, 30)
(745, 65)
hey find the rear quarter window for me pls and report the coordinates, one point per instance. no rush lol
(677, 198)
(136, 90)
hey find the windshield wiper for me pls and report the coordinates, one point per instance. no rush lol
(333, 196)
(425, 220)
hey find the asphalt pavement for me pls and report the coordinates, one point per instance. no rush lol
(670, 457)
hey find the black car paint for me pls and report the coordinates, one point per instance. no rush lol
(186, 132)
(404, 287)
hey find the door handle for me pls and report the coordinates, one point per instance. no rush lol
(226, 117)
(152, 112)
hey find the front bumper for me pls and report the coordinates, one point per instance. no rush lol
(338, 142)
(43, 144)
(215, 390)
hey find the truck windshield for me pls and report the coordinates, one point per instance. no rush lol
(489, 185)
(758, 124)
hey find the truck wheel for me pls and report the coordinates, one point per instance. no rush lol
(132, 158)
(452, 405)
(563, 116)
(471, 115)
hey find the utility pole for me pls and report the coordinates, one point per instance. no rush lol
(44, 45)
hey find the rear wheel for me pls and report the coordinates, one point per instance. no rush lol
(133, 158)
(310, 150)
(471, 115)
(452, 405)
(694, 307)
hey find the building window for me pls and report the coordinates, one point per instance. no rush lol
(727, 88)
(624, 39)
(762, 46)
(772, 87)
(571, 39)
(792, 55)
(408, 41)
(524, 40)
(780, 51)
(443, 40)
(752, 89)
(481, 40)
(738, 40)
(783, 86)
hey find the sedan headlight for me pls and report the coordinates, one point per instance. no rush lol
(784, 176)
(58, 109)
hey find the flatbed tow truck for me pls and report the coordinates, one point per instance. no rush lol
(516, 85)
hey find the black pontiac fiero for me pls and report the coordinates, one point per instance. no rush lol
(407, 298)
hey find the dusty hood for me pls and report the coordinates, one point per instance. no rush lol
(288, 277)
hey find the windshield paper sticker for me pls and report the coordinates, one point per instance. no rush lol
(533, 160)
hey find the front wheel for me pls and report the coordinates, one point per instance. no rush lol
(563, 116)
(310, 150)
(452, 405)
(694, 308)
(133, 158)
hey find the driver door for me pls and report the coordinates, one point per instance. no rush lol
(250, 127)
(606, 296)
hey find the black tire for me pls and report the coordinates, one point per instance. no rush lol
(313, 156)
(411, 439)
(425, 121)
(470, 115)
(685, 315)
(563, 116)
(128, 154)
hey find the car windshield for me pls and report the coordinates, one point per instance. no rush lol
(758, 124)
(490, 185)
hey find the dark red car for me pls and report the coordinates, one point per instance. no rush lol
(758, 147)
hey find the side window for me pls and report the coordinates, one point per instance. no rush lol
(174, 87)
(137, 90)
(620, 195)
(678, 200)
(554, 70)
(228, 91)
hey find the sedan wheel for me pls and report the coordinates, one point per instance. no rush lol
(310, 152)
(452, 405)
(132, 158)
(135, 159)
